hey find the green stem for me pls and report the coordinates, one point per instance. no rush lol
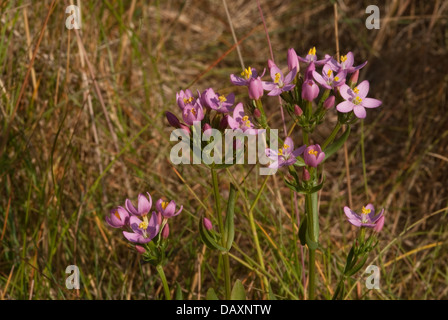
(255, 235)
(225, 256)
(332, 135)
(164, 282)
(363, 157)
(313, 233)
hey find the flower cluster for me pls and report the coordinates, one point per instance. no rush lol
(139, 225)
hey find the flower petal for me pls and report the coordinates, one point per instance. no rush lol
(345, 106)
(360, 111)
(363, 88)
(346, 92)
(371, 103)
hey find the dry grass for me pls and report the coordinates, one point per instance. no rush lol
(82, 139)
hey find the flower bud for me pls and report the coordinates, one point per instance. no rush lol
(172, 120)
(207, 130)
(293, 60)
(306, 174)
(329, 103)
(310, 90)
(166, 231)
(354, 77)
(379, 225)
(159, 218)
(255, 88)
(185, 128)
(257, 113)
(207, 224)
(140, 249)
(297, 110)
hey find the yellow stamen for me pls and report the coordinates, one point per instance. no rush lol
(247, 73)
(357, 100)
(343, 58)
(336, 78)
(117, 215)
(222, 99)
(312, 51)
(144, 225)
(285, 146)
(365, 211)
(164, 204)
(280, 152)
(313, 152)
(187, 101)
(193, 111)
(356, 90)
(277, 77)
(248, 123)
(245, 118)
(329, 72)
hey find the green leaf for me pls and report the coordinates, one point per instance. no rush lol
(337, 144)
(302, 232)
(238, 292)
(179, 295)
(207, 238)
(357, 267)
(311, 244)
(229, 224)
(211, 294)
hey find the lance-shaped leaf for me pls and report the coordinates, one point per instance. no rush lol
(229, 224)
(211, 295)
(337, 144)
(208, 238)
(302, 231)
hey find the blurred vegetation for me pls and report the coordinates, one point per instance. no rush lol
(83, 128)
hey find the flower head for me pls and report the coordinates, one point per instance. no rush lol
(313, 155)
(240, 121)
(285, 156)
(345, 64)
(143, 230)
(118, 218)
(280, 83)
(311, 57)
(193, 112)
(207, 224)
(143, 207)
(367, 218)
(184, 98)
(328, 79)
(219, 102)
(168, 209)
(246, 75)
(356, 101)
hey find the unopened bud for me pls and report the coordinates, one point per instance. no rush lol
(306, 175)
(166, 231)
(354, 77)
(223, 123)
(172, 120)
(207, 130)
(329, 103)
(257, 113)
(140, 249)
(297, 110)
(207, 224)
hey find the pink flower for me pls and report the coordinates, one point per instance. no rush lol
(143, 230)
(356, 101)
(144, 205)
(367, 218)
(118, 218)
(313, 155)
